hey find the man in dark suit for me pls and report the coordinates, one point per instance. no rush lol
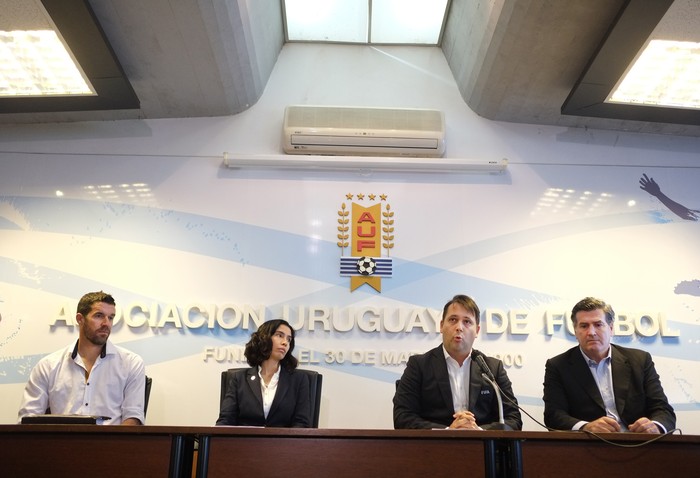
(444, 387)
(599, 387)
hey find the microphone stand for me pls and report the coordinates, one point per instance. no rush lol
(501, 422)
(488, 376)
(498, 464)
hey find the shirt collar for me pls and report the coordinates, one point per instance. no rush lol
(275, 376)
(449, 358)
(590, 361)
(74, 354)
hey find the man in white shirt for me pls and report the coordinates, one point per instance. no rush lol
(91, 376)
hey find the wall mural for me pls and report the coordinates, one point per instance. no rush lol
(195, 266)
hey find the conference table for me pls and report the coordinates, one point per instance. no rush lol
(162, 451)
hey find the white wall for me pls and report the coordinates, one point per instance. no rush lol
(204, 234)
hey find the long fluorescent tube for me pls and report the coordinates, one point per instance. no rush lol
(363, 163)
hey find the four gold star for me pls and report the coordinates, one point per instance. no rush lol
(361, 196)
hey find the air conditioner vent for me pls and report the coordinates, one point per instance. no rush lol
(336, 130)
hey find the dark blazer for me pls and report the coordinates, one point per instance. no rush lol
(243, 403)
(571, 393)
(423, 397)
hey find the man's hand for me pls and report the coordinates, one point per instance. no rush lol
(602, 425)
(464, 420)
(131, 421)
(644, 425)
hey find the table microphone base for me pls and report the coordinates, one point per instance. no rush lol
(500, 426)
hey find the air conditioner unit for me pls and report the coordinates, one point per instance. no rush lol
(347, 131)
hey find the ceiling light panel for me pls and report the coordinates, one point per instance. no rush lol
(667, 73)
(37, 63)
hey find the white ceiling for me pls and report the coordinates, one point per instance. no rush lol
(515, 61)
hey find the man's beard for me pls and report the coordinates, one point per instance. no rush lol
(94, 338)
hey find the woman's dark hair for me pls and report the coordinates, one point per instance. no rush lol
(259, 347)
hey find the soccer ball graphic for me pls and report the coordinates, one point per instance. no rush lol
(366, 266)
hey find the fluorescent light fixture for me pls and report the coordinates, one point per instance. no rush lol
(667, 73)
(37, 63)
(363, 163)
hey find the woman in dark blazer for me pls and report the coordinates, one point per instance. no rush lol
(269, 394)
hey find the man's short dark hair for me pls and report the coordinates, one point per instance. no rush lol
(86, 302)
(591, 303)
(466, 302)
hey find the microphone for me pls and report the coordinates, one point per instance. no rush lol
(488, 376)
(479, 357)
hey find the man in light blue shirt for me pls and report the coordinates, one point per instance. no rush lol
(600, 387)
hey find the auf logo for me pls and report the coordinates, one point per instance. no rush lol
(366, 231)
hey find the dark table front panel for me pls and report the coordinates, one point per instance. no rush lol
(85, 450)
(345, 454)
(579, 455)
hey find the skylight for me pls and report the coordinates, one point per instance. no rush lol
(405, 22)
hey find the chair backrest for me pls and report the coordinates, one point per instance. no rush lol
(315, 387)
(149, 382)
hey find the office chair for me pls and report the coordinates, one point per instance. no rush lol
(315, 386)
(149, 382)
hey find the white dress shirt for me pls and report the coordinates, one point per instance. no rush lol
(268, 390)
(115, 387)
(459, 381)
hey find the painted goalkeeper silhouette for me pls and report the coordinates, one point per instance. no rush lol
(649, 185)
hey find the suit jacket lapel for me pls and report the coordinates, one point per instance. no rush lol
(621, 372)
(580, 368)
(282, 388)
(439, 366)
(475, 382)
(253, 381)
